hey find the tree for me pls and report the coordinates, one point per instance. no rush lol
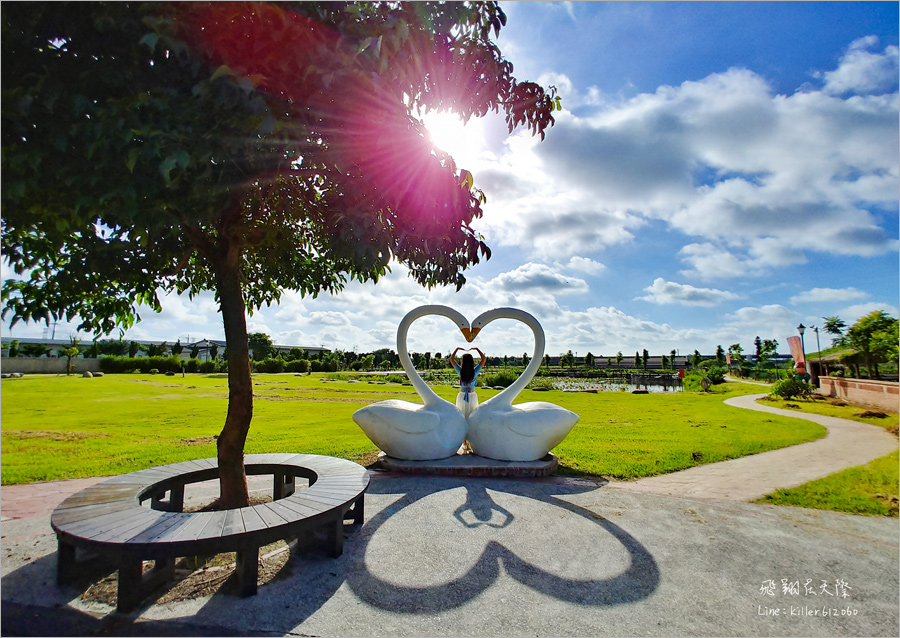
(13, 349)
(645, 356)
(664, 362)
(133, 349)
(720, 356)
(672, 357)
(36, 350)
(244, 148)
(757, 344)
(525, 359)
(873, 336)
(214, 351)
(834, 325)
(637, 359)
(547, 361)
(70, 353)
(618, 358)
(195, 351)
(589, 360)
(768, 348)
(177, 348)
(260, 345)
(696, 358)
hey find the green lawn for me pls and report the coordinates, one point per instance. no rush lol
(826, 408)
(68, 427)
(866, 489)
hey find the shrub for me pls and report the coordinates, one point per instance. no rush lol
(270, 365)
(716, 375)
(691, 381)
(193, 365)
(119, 365)
(208, 367)
(297, 365)
(503, 378)
(154, 371)
(539, 382)
(394, 378)
(790, 388)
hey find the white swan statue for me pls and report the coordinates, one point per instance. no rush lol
(411, 431)
(524, 432)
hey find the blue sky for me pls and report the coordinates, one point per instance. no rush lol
(719, 171)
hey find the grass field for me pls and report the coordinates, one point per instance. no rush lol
(866, 489)
(68, 427)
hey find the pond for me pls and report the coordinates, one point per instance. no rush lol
(613, 385)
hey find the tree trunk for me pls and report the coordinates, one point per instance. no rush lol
(230, 444)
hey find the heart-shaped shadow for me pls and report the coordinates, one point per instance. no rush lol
(637, 581)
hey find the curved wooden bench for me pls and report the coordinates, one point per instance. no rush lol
(109, 520)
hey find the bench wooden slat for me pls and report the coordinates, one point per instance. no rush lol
(193, 530)
(252, 520)
(154, 531)
(269, 516)
(331, 501)
(86, 525)
(301, 508)
(72, 515)
(213, 528)
(139, 521)
(285, 512)
(300, 498)
(234, 523)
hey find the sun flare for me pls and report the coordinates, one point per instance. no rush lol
(464, 143)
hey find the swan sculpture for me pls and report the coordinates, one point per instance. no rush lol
(524, 432)
(411, 431)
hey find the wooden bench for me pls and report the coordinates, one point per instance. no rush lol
(108, 519)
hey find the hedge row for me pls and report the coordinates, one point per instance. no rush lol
(145, 365)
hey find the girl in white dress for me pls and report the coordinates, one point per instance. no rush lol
(467, 400)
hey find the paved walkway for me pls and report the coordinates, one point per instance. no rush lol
(847, 444)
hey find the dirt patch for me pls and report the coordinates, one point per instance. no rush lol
(871, 414)
(52, 435)
(200, 576)
(199, 440)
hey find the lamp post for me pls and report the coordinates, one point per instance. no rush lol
(818, 351)
(801, 329)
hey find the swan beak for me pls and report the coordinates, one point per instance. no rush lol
(470, 334)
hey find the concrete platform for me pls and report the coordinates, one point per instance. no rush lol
(471, 465)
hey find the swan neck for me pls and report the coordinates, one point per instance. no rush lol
(534, 365)
(418, 383)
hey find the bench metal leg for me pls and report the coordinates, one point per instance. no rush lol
(285, 485)
(130, 584)
(66, 563)
(247, 568)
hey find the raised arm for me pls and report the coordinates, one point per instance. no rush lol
(453, 358)
(483, 357)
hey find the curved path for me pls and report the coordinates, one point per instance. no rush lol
(847, 444)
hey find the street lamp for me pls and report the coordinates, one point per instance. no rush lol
(801, 329)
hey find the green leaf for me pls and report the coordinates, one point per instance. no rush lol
(150, 40)
(166, 167)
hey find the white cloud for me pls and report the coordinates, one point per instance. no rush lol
(585, 265)
(668, 292)
(539, 278)
(758, 179)
(818, 295)
(862, 71)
